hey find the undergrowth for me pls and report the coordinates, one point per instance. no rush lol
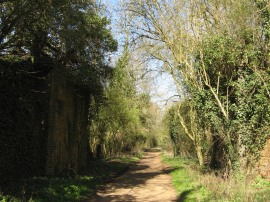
(192, 185)
(67, 188)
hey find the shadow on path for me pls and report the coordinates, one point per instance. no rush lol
(147, 180)
(137, 177)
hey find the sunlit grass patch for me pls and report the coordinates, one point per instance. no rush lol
(192, 185)
(186, 184)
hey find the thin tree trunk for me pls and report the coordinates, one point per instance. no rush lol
(198, 147)
(200, 154)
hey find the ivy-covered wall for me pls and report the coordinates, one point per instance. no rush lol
(68, 119)
(43, 125)
(24, 96)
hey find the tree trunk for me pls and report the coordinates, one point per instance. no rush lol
(198, 146)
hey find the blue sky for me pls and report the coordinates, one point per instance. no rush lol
(163, 86)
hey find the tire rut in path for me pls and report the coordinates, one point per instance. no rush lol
(148, 180)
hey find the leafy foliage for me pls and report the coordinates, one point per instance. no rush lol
(181, 142)
(70, 32)
(121, 122)
(234, 66)
(218, 55)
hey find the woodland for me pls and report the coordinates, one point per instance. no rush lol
(217, 53)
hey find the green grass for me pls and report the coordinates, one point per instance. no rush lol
(261, 189)
(54, 189)
(192, 185)
(65, 189)
(188, 186)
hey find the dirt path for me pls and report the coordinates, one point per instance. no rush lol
(149, 180)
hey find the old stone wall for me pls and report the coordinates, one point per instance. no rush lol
(264, 162)
(67, 136)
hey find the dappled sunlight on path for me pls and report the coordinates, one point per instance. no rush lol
(148, 180)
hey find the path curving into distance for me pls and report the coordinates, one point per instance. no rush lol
(148, 180)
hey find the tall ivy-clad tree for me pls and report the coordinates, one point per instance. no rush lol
(217, 52)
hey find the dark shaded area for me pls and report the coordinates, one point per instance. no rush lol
(43, 125)
(218, 155)
(152, 149)
(183, 196)
(107, 170)
(24, 104)
(67, 188)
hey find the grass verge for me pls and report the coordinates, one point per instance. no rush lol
(185, 182)
(193, 185)
(68, 188)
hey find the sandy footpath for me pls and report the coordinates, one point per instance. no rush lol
(148, 180)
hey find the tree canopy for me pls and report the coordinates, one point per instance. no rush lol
(70, 32)
(217, 52)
